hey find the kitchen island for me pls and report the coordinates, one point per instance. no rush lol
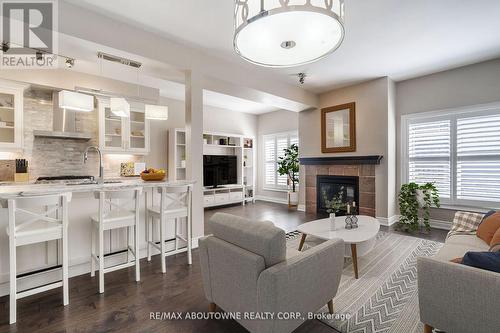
(41, 257)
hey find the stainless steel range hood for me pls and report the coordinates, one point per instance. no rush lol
(63, 124)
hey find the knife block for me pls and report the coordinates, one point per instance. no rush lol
(21, 177)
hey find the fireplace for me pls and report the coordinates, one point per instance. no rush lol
(360, 170)
(328, 186)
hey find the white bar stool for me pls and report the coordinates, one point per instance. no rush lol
(175, 204)
(36, 219)
(115, 214)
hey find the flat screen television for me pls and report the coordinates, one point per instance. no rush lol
(219, 170)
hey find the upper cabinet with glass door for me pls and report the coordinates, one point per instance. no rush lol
(11, 115)
(123, 134)
(138, 133)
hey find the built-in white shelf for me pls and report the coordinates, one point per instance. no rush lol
(221, 146)
(234, 145)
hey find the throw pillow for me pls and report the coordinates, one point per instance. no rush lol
(495, 248)
(485, 260)
(495, 242)
(465, 223)
(489, 227)
(488, 214)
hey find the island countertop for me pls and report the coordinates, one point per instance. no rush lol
(13, 190)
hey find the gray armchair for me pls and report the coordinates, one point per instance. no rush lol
(246, 268)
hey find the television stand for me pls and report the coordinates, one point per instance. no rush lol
(223, 195)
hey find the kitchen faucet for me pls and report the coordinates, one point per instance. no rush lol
(101, 167)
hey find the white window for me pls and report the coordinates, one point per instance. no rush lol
(457, 150)
(274, 146)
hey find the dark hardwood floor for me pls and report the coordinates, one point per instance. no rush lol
(126, 306)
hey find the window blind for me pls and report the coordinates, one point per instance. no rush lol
(478, 158)
(429, 154)
(270, 160)
(274, 146)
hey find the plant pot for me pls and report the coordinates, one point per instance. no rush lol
(420, 195)
(293, 198)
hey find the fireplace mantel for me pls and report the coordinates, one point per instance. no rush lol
(342, 160)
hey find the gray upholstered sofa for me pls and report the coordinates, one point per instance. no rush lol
(456, 298)
(247, 270)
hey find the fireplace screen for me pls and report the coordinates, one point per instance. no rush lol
(344, 187)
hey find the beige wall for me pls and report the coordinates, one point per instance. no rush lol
(272, 123)
(373, 110)
(469, 85)
(225, 121)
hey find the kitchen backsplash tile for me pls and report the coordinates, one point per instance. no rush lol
(55, 157)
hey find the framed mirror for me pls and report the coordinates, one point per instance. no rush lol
(338, 128)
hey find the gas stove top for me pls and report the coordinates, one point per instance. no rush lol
(66, 180)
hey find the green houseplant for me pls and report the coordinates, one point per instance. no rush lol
(289, 165)
(415, 202)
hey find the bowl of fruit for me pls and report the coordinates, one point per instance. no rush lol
(153, 175)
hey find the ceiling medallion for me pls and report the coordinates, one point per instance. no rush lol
(287, 33)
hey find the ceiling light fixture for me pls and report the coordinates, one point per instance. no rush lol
(287, 33)
(119, 107)
(156, 112)
(70, 62)
(71, 100)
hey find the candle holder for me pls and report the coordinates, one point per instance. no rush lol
(351, 220)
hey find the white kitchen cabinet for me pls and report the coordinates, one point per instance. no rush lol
(124, 135)
(11, 115)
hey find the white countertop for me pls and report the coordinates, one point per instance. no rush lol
(25, 189)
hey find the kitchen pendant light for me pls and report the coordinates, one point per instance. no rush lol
(119, 107)
(156, 112)
(71, 100)
(287, 33)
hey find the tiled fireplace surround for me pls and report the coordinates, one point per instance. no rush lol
(364, 169)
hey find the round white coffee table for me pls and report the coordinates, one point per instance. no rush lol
(358, 241)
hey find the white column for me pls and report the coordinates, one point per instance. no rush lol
(194, 146)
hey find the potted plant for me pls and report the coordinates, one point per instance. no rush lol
(333, 205)
(289, 165)
(415, 202)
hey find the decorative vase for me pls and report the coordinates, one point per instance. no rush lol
(332, 221)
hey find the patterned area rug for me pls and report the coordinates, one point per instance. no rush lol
(384, 298)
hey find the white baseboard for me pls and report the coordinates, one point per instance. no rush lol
(77, 266)
(388, 221)
(271, 199)
(436, 224)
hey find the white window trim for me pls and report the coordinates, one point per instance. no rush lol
(265, 186)
(453, 114)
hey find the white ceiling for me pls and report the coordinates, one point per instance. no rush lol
(396, 38)
(152, 74)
